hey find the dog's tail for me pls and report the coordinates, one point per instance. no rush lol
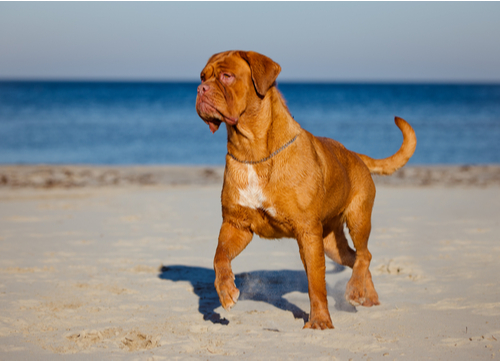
(394, 162)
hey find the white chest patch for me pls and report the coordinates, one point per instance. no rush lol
(252, 196)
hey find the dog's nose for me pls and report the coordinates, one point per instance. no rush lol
(203, 88)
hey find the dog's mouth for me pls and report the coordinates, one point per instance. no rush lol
(212, 116)
(213, 124)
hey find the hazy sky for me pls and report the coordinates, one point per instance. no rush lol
(311, 41)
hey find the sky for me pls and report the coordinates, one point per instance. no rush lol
(320, 41)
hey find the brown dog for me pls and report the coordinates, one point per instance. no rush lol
(281, 181)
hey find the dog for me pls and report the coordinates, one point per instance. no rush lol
(281, 181)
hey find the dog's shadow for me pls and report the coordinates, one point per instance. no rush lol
(264, 286)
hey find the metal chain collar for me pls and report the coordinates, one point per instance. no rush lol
(266, 158)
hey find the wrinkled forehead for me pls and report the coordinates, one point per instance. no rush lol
(229, 61)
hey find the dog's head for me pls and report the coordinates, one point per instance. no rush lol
(232, 82)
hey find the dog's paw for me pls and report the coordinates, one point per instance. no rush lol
(371, 298)
(319, 323)
(354, 292)
(227, 291)
(357, 295)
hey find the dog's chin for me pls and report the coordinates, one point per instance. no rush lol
(213, 117)
(209, 114)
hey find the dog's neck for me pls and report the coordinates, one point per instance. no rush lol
(262, 130)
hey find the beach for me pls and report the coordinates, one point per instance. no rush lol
(101, 262)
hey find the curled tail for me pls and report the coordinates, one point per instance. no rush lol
(394, 162)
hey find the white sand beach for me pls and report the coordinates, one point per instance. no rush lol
(121, 269)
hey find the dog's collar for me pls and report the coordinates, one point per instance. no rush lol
(266, 158)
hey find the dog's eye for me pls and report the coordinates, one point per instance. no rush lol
(226, 78)
(202, 77)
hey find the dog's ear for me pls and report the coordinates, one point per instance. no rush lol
(264, 70)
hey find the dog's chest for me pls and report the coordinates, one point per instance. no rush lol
(251, 193)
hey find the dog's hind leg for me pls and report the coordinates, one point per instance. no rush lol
(360, 289)
(336, 245)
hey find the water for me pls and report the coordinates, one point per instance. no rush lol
(156, 123)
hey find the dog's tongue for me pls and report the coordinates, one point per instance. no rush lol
(213, 127)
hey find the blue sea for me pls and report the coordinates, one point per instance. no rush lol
(131, 123)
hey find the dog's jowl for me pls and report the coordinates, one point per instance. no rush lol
(281, 181)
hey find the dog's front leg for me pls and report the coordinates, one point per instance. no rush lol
(313, 257)
(232, 241)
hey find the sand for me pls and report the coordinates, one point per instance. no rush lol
(124, 271)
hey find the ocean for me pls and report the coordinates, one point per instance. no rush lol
(134, 123)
